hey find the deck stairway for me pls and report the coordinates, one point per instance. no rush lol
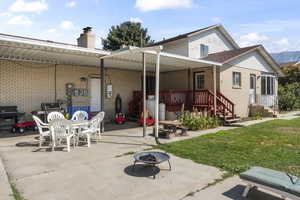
(201, 100)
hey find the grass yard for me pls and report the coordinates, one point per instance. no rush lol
(274, 144)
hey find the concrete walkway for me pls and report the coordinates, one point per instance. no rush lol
(104, 171)
(5, 189)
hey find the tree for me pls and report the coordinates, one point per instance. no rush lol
(292, 74)
(289, 88)
(127, 33)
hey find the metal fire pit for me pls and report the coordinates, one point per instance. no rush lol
(151, 159)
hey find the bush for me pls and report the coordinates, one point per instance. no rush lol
(196, 121)
(289, 96)
(257, 116)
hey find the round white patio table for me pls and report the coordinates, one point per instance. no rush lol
(73, 125)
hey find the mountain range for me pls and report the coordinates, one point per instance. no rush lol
(287, 56)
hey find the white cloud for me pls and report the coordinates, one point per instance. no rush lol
(52, 30)
(5, 14)
(19, 20)
(283, 42)
(254, 37)
(71, 4)
(66, 25)
(136, 20)
(216, 19)
(150, 5)
(33, 6)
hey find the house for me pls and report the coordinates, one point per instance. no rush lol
(204, 69)
(248, 76)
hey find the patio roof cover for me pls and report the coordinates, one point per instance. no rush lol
(132, 59)
(42, 51)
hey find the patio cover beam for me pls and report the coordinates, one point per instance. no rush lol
(215, 89)
(157, 70)
(102, 76)
(144, 96)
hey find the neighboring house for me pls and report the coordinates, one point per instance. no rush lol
(193, 67)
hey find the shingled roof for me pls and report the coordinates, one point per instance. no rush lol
(226, 56)
(189, 34)
(180, 36)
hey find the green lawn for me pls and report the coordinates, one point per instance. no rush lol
(273, 144)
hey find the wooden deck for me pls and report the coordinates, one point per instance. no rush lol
(201, 100)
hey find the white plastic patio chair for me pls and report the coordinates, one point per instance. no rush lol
(60, 129)
(94, 128)
(44, 129)
(55, 115)
(80, 115)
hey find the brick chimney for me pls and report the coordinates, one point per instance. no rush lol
(87, 39)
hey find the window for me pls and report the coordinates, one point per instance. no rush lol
(150, 84)
(203, 50)
(236, 79)
(199, 80)
(267, 85)
(252, 81)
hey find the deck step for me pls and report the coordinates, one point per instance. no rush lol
(230, 120)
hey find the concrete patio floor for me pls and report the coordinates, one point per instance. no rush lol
(104, 171)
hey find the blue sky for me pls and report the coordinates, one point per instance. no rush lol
(273, 23)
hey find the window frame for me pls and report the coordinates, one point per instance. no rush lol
(268, 85)
(204, 50)
(196, 74)
(234, 81)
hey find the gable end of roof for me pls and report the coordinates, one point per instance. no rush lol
(227, 56)
(187, 35)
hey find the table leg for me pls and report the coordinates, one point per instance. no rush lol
(153, 170)
(133, 165)
(169, 165)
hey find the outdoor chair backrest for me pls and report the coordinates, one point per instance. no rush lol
(41, 125)
(80, 115)
(101, 116)
(59, 128)
(96, 121)
(55, 115)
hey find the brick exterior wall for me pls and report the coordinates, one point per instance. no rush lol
(27, 84)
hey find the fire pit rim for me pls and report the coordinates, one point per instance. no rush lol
(160, 157)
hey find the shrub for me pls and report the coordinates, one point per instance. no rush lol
(289, 95)
(257, 116)
(196, 121)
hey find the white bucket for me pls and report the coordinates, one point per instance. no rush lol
(162, 111)
(151, 107)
